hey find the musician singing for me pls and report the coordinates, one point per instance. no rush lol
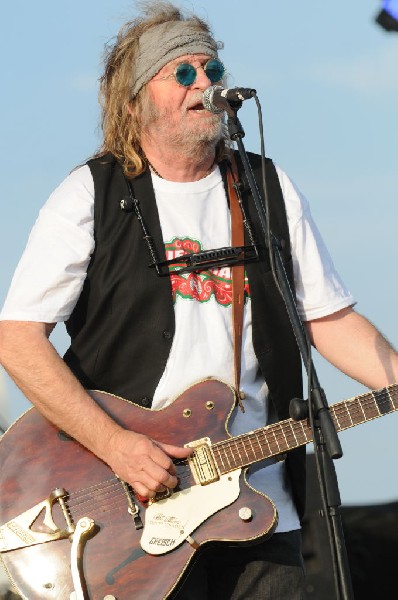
(157, 191)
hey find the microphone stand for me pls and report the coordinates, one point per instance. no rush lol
(326, 442)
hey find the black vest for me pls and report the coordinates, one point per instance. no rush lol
(123, 324)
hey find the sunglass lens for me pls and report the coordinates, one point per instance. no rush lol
(185, 74)
(214, 70)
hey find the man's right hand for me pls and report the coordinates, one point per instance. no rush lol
(47, 381)
(145, 464)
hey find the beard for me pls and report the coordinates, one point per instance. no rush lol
(178, 129)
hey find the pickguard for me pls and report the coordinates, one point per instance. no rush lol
(169, 522)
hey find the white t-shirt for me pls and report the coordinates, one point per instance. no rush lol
(194, 216)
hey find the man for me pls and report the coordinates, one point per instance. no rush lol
(148, 337)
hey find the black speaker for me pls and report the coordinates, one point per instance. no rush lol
(371, 537)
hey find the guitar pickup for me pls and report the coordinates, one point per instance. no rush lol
(202, 462)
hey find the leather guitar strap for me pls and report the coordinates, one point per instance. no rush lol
(238, 275)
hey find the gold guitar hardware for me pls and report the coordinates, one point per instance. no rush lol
(209, 405)
(187, 412)
(18, 533)
(82, 530)
(203, 466)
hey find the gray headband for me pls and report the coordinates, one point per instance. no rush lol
(165, 42)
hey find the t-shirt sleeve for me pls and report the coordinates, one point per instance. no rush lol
(50, 275)
(320, 290)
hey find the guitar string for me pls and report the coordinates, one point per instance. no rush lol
(101, 505)
(288, 429)
(284, 432)
(115, 503)
(281, 431)
(342, 410)
(91, 493)
(101, 494)
(103, 491)
(114, 482)
(110, 489)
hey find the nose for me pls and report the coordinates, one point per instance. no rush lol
(202, 81)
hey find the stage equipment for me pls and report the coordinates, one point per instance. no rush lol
(326, 442)
(371, 539)
(388, 16)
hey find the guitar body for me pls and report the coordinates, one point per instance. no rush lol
(35, 458)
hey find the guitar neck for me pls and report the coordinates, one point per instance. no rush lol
(266, 442)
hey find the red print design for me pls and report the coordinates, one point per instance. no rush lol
(199, 286)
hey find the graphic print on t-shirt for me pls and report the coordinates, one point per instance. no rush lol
(199, 286)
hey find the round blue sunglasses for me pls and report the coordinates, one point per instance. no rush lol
(185, 74)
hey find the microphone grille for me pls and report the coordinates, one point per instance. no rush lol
(208, 99)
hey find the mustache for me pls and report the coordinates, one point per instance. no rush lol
(194, 100)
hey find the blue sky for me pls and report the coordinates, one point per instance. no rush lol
(326, 76)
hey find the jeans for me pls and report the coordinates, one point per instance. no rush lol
(270, 570)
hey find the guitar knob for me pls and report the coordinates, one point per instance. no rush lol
(245, 513)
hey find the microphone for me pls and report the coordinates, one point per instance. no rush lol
(216, 99)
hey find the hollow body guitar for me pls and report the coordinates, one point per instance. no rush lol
(50, 486)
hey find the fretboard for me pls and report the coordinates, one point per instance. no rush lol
(280, 437)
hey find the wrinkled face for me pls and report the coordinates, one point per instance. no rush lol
(173, 113)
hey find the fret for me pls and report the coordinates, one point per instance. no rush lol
(254, 444)
(249, 437)
(269, 452)
(356, 411)
(393, 398)
(309, 433)
(298, 427)
(276, 440)
(247, 454)
(370, 408)
(294, 435)
(260, 453)
(377, 405)
(287, 445)
(238, 451)
(220, 455)
(336, 418)
(232, 454)
(348, 414)
(344, 421)
(298, 433)
(342, 415)
(304, 431)
(261, 440)
(227, 457)
(382, 401)
(363, 412)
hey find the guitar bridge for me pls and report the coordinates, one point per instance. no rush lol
(202, 462)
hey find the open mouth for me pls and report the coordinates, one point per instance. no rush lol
(197, 107)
